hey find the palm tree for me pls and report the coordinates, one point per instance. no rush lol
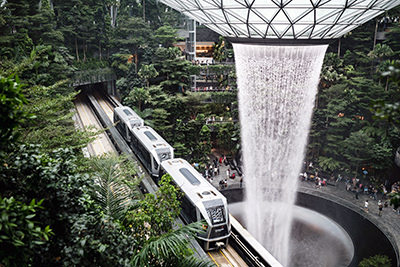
(115, 192)
(115, 189)
(168, 249)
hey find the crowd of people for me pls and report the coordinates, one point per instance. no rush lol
(214, 170)
(378, 193)
(212, 89)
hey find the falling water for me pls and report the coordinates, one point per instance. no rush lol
(277, 88)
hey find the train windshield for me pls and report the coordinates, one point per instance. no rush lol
(215, 210)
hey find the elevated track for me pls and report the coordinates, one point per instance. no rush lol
(242, 250)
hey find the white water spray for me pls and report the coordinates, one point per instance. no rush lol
(277, 87)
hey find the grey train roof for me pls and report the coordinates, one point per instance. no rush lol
(191, 182)
(128, 116)
(282, 19)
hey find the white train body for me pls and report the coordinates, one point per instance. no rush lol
(201, 201)
(125, 119)
(150, 147)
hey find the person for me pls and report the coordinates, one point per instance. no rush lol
(241, 182)
(221, 184)
(339, 178)
(226, 183)
(233, 176)
(386, 204)
(356, 192)
(228, 173)
(380, 207)
(305, 176)
(215, 171)
(366, 205)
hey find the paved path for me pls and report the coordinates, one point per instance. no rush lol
(389, 222)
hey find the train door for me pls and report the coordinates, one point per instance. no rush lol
(127, 136)
(155, 167)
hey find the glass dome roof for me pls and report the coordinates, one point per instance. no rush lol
(282, 19)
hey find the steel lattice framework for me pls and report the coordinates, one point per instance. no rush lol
(282, 19)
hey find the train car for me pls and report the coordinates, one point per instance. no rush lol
(201, 201)
(150, 148)
(125, 119)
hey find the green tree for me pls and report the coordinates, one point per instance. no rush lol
(12, 113)
(165, 35)
(20, 234)
(147, 72)
(375, 261)
(138, 96)
(357, 149)
(172, 69)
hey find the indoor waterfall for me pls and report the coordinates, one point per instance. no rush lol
(277, 88)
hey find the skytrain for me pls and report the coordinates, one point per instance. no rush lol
(201, 201)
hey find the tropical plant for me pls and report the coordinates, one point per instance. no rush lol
(376, 261)
(115, 189)
(20, 234)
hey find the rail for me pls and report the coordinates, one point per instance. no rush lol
(245, 245)
(147, 183)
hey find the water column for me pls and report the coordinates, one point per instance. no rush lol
(277, 87)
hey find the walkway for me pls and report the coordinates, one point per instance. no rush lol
(389, 222)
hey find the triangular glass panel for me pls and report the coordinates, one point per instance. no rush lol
(334, 29)
(305, 34)
(234, 18)
(363, 3)
(301, 4)
(281, 18)
(254, 18)
(268, 13)
(258, 30)
(264, 4)
(336, 4)
(289, 34)
(240, 14)
(367, 16)
(320, 30)
(241, 29)
(217, 15)
(233, 4)
(298, 28)
(330, 15)
(280, 29)
(297, 13)
(307, 19)
(206, 4)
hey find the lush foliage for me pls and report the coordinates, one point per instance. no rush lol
(354, 124)
(375, 261)
(19, 233)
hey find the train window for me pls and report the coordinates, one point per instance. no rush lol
(150, 135)
(189, 176)
(216, 214)
(188, 209)
(155, 163)
(127, 112)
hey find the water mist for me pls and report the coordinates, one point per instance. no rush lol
(277, 88)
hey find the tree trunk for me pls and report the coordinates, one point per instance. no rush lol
(100, 50)
(375, 33)
(84, 52)
(339, 46)
(76, 49)
(144, 10)
(387, 84)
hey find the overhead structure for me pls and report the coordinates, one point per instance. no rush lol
(282, 19)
